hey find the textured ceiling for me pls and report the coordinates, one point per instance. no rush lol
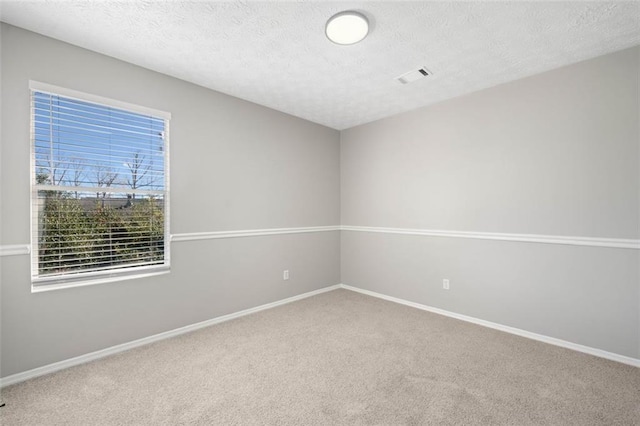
(276, 54)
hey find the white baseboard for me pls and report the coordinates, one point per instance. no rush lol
(61, 365)
(523, 333)
(57, 366)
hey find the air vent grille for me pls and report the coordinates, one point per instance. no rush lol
(414, 75)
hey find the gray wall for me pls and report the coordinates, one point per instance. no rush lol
(234, 166)
(553, 154)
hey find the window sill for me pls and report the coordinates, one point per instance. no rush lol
(94, 281)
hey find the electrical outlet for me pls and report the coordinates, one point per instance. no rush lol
(445, 284)
(285, 274)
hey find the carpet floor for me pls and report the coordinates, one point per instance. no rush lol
(335, 358)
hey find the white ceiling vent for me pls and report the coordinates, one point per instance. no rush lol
(412, 76)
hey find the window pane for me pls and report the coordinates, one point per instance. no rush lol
(82, 144)
(87, 231)
(99, 203)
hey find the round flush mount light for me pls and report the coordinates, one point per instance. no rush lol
(347, 27)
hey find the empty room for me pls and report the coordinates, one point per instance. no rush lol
(318, 213)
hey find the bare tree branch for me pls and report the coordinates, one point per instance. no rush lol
(52, 171)
(104, 175)
(77, 166)
(138, 171)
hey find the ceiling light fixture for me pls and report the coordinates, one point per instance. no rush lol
(347, 27)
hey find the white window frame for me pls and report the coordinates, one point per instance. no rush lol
(39, 284)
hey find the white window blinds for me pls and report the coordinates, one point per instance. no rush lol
(99, 190)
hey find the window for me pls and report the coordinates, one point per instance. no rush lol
(99, 189)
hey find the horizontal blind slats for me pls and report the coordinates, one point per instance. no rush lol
(108, 260)
(55, 101)
(92, 190)
(76, 114)
(150, 144)
(78, 145)
(61, 128)
(99, 192)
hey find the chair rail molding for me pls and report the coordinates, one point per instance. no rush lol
(15, 249)
(526, 238)
(619, 243)
(192, 236)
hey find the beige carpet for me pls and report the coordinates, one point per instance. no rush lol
(336, 358)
